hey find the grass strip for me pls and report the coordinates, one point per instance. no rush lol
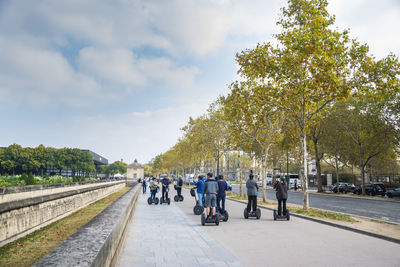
(29, 249)
(323, 214)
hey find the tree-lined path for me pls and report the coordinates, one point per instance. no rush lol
(172, 235)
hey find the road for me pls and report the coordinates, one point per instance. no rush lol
(375, 209)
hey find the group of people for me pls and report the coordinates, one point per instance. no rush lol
(164, 182)
(212, 192)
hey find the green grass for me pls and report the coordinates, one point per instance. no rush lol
(323, 214)
(29, 249)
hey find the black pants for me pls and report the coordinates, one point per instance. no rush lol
(164, 193)
(280, 207)
(179, 191)
(252, 199)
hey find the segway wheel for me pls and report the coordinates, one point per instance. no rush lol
(216, 219)
(169, 201)
(226, 216)
(287, 215)
(149, 201)
(198, 210)
(258, 214)
(203, 219)
(246, 213)
(157, 200)
(275, 215)
(176, 198)
(181, 198)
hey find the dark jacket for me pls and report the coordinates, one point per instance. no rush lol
(281, 191)
(222, 188)
(179, 183)
(165, 181)
(210, 186)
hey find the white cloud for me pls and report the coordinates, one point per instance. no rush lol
(40, 77)
(138, 135)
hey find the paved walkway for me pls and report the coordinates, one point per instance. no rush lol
(173, 236)
(163, 235)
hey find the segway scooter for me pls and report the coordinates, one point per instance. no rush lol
(177, 197)
(210, 219)
(281, 217)
(155, 201)
(168, 200)
(223, 217)
(197, 209)
(256, 214)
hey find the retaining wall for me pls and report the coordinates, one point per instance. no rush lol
(99, 241)
(30, 208)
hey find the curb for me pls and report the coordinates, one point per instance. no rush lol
(349, 196)
(384, 237)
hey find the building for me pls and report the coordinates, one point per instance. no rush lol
(134, 171)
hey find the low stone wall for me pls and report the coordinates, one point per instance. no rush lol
(99, 241)
(23, 216)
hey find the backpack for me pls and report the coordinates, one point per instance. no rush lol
(180, 182)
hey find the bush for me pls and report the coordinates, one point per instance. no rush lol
(29, 179)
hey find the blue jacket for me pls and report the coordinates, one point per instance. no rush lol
(199, 185)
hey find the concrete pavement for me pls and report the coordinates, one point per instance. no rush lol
(162, 235)
(173, 236)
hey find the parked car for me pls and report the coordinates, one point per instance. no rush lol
(372, 189)
(351, 188)
(343, 188)
(393, 193)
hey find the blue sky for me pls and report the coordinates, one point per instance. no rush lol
(122, 77)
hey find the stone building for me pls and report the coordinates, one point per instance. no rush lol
(134, 171)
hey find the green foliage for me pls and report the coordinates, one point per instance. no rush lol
(17, 160)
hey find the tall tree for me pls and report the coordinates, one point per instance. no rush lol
(305, 71)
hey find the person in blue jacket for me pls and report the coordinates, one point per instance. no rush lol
(223, 186)
(200, 193)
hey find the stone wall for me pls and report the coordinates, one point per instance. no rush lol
(21, 216)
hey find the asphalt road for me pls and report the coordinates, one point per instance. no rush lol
(376, 209)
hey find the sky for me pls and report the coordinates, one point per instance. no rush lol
(122, 77)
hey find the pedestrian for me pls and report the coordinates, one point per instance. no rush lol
(153, 188)
(281, 195)
(144, 185)
(179, 185)
(210, 191)
(252, 192)
(295, 184)
(223, 186)
(165, 187)
(200, 193)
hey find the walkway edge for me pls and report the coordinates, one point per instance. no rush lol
(98, 242)
(344, 227)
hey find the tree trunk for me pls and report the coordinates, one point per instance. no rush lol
(264, 179)
(318, 166)
(337, 173)
(305, 171)
(240, 181)
(362, 177)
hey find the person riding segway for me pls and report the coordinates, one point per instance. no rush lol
(252, 192)
(165, 188)
(281, 195)
(223, 186)
(178, 188)
(210, 190)
(153, 190)
(199, 207)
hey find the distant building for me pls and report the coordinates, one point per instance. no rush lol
(134, 171)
